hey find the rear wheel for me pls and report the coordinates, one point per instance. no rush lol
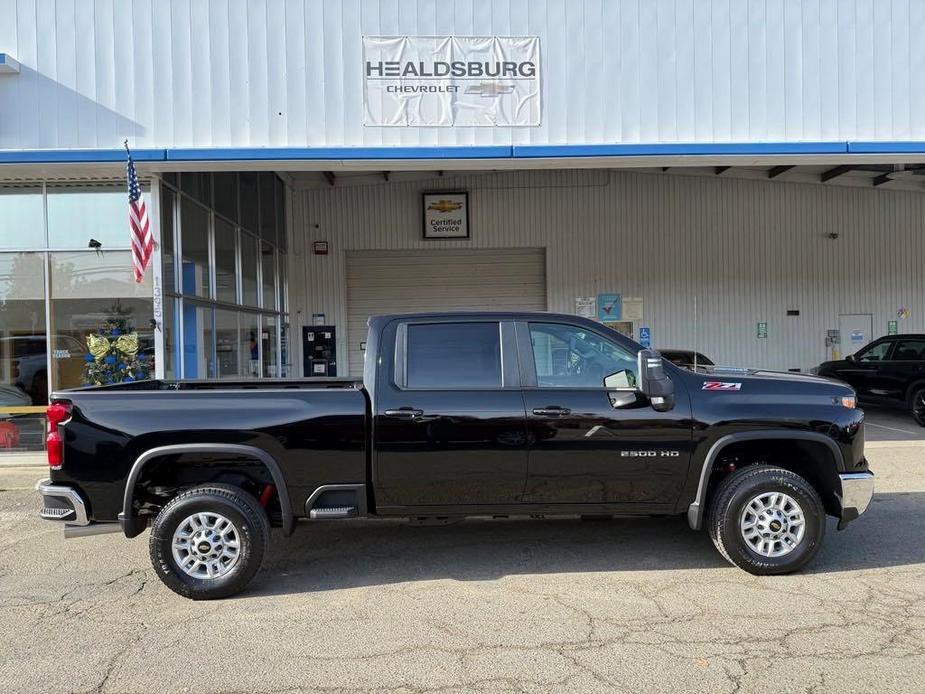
(209, 541)
(766, 520)
(918, 406)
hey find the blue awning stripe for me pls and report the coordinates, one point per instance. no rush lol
(100, 156)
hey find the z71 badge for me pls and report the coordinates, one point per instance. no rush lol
(721, 385)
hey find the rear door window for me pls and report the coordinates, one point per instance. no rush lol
(909, 350)
(453, 355)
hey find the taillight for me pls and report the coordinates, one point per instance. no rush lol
(57, 413)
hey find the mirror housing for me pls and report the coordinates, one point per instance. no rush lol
(850, 357)
(653, 382)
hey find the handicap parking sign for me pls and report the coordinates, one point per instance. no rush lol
(645, 337)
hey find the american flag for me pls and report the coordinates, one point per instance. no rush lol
(140, 227)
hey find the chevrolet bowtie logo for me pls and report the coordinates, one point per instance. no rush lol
(490, 89)
(444, 206)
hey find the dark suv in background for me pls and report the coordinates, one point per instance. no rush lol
(889, 371)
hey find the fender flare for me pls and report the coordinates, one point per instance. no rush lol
(126, 517)
(696, 509)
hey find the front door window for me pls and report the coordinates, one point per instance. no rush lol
(568, 356)
(876, 352)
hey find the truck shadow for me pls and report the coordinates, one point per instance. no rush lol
(336, 555)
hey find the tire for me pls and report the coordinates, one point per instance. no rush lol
(731, 510)
(234, 554)
(917, 406)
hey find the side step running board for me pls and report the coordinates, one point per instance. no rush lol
(332, 512)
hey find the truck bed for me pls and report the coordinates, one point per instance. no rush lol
(315, 429)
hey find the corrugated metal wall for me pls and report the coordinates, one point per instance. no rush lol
(746, 250)
(175, 73)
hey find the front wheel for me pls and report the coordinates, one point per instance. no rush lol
(918, 407)
(766, 520)
(209, 541)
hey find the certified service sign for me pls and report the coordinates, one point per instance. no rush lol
(446, 215)
(451, 80)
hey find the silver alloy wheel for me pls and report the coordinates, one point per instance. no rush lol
(206, 545)
(772, 524)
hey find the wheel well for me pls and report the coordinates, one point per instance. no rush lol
(811, 460)
(163, 477)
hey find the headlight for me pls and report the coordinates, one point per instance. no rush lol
(849, 401)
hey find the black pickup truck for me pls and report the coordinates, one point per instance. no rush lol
(470, 414)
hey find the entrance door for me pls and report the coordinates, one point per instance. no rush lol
(856, 330)
(591, 443)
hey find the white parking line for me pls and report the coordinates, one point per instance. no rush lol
(901, 431)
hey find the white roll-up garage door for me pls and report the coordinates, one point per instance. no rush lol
(439, 280)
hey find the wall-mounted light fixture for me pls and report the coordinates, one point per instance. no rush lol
(8, 66)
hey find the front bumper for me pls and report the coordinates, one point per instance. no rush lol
(857, 489)
(62, 503)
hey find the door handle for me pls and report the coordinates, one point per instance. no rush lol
(554, 411)
(405, 413)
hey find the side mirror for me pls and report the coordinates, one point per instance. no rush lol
(850, 357)
(653, 383)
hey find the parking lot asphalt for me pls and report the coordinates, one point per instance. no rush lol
(642, 605)
(887, 424)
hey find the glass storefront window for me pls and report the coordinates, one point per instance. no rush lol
(268, 275)
(268, 207)
(250, 214)
(198, 343)
(93, 292)
(166, 240)
(250, 328)
(194, 229)
(249, 260)
(78, 215)
(22, 218)
(281, 240)
(171, 328)
(268, 342)
(284, 348)
(226, 288)
(197, 185)
(227, 344)
(282, 303)
(226, 195)
(232, 277)
(23, 351)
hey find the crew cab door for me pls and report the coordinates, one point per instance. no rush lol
(590, 443)
(905, 366)
(449, 425)
(863, 371)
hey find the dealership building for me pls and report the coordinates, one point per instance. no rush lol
(742, 179)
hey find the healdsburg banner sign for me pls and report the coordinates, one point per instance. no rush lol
(451, 80)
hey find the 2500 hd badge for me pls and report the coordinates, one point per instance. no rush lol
(458, 414)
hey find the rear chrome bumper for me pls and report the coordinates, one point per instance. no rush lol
(857, 489)
(62, 503)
